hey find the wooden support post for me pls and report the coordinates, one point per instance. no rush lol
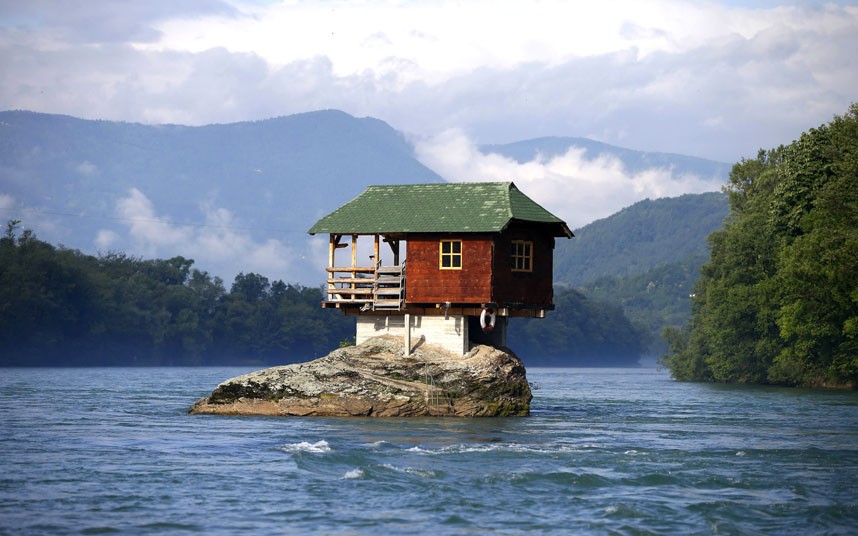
(354, 262)
(376, 252)
(333, 245)
(407, 334)
(394, 246)
(332, 249)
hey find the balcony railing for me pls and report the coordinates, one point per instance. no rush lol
(371, 288)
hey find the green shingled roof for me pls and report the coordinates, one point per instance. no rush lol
(472, 207)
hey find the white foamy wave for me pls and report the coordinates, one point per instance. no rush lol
(455, 449)
(424, 473)
(500, 447)
(304, 446)
(354, 473)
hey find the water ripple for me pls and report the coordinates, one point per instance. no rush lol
(100, 451)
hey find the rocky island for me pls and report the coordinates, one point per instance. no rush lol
(376, 379)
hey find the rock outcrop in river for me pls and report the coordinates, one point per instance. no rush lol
(376, 379)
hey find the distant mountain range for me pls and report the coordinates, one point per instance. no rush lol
(268, 181)
(275, 177)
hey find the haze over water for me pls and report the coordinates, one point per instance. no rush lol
(628, 451)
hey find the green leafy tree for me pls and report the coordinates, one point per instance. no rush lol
(581, 331)
(60, 307)
(777, 301)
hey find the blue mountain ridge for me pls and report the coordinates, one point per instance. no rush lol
(275, 176)
(65, 175)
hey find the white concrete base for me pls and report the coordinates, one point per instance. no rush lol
(450, 333)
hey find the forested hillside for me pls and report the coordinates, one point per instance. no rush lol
(61, 307)
(778, 299)
(581, 331)
(654, 299)
(645, 258)
(639, 238)
(609, 320)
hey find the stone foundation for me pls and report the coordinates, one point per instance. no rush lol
(450, 333)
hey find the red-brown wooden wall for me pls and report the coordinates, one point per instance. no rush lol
(486, 275)
(427, 283)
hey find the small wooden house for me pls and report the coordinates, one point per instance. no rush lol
(451, 262)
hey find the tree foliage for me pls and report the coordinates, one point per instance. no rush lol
(61, 307)
(645, 258)
(581, 331)
(642, 237)
(777, 301)
(652, 299)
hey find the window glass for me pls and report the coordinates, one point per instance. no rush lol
(521, 256)
(451, 255)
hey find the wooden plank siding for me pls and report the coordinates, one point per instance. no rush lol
(486, 275)
(427, 283)
(534, 288)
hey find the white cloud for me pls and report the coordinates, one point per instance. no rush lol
(105, 238)
(6, 202)
(87, 169)
(149, 233)
(446, 37)
(272, 256)
(219, 246)
(704, 78)
(574, 186)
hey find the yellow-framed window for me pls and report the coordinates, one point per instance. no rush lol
(450, 253)
(521, 256)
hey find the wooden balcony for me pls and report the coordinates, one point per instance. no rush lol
(367, 287)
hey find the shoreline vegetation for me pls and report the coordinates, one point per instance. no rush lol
(60, 307)
(777, 301)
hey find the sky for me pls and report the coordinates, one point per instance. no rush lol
(714, 79)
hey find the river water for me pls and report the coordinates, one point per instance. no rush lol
(605, 451)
